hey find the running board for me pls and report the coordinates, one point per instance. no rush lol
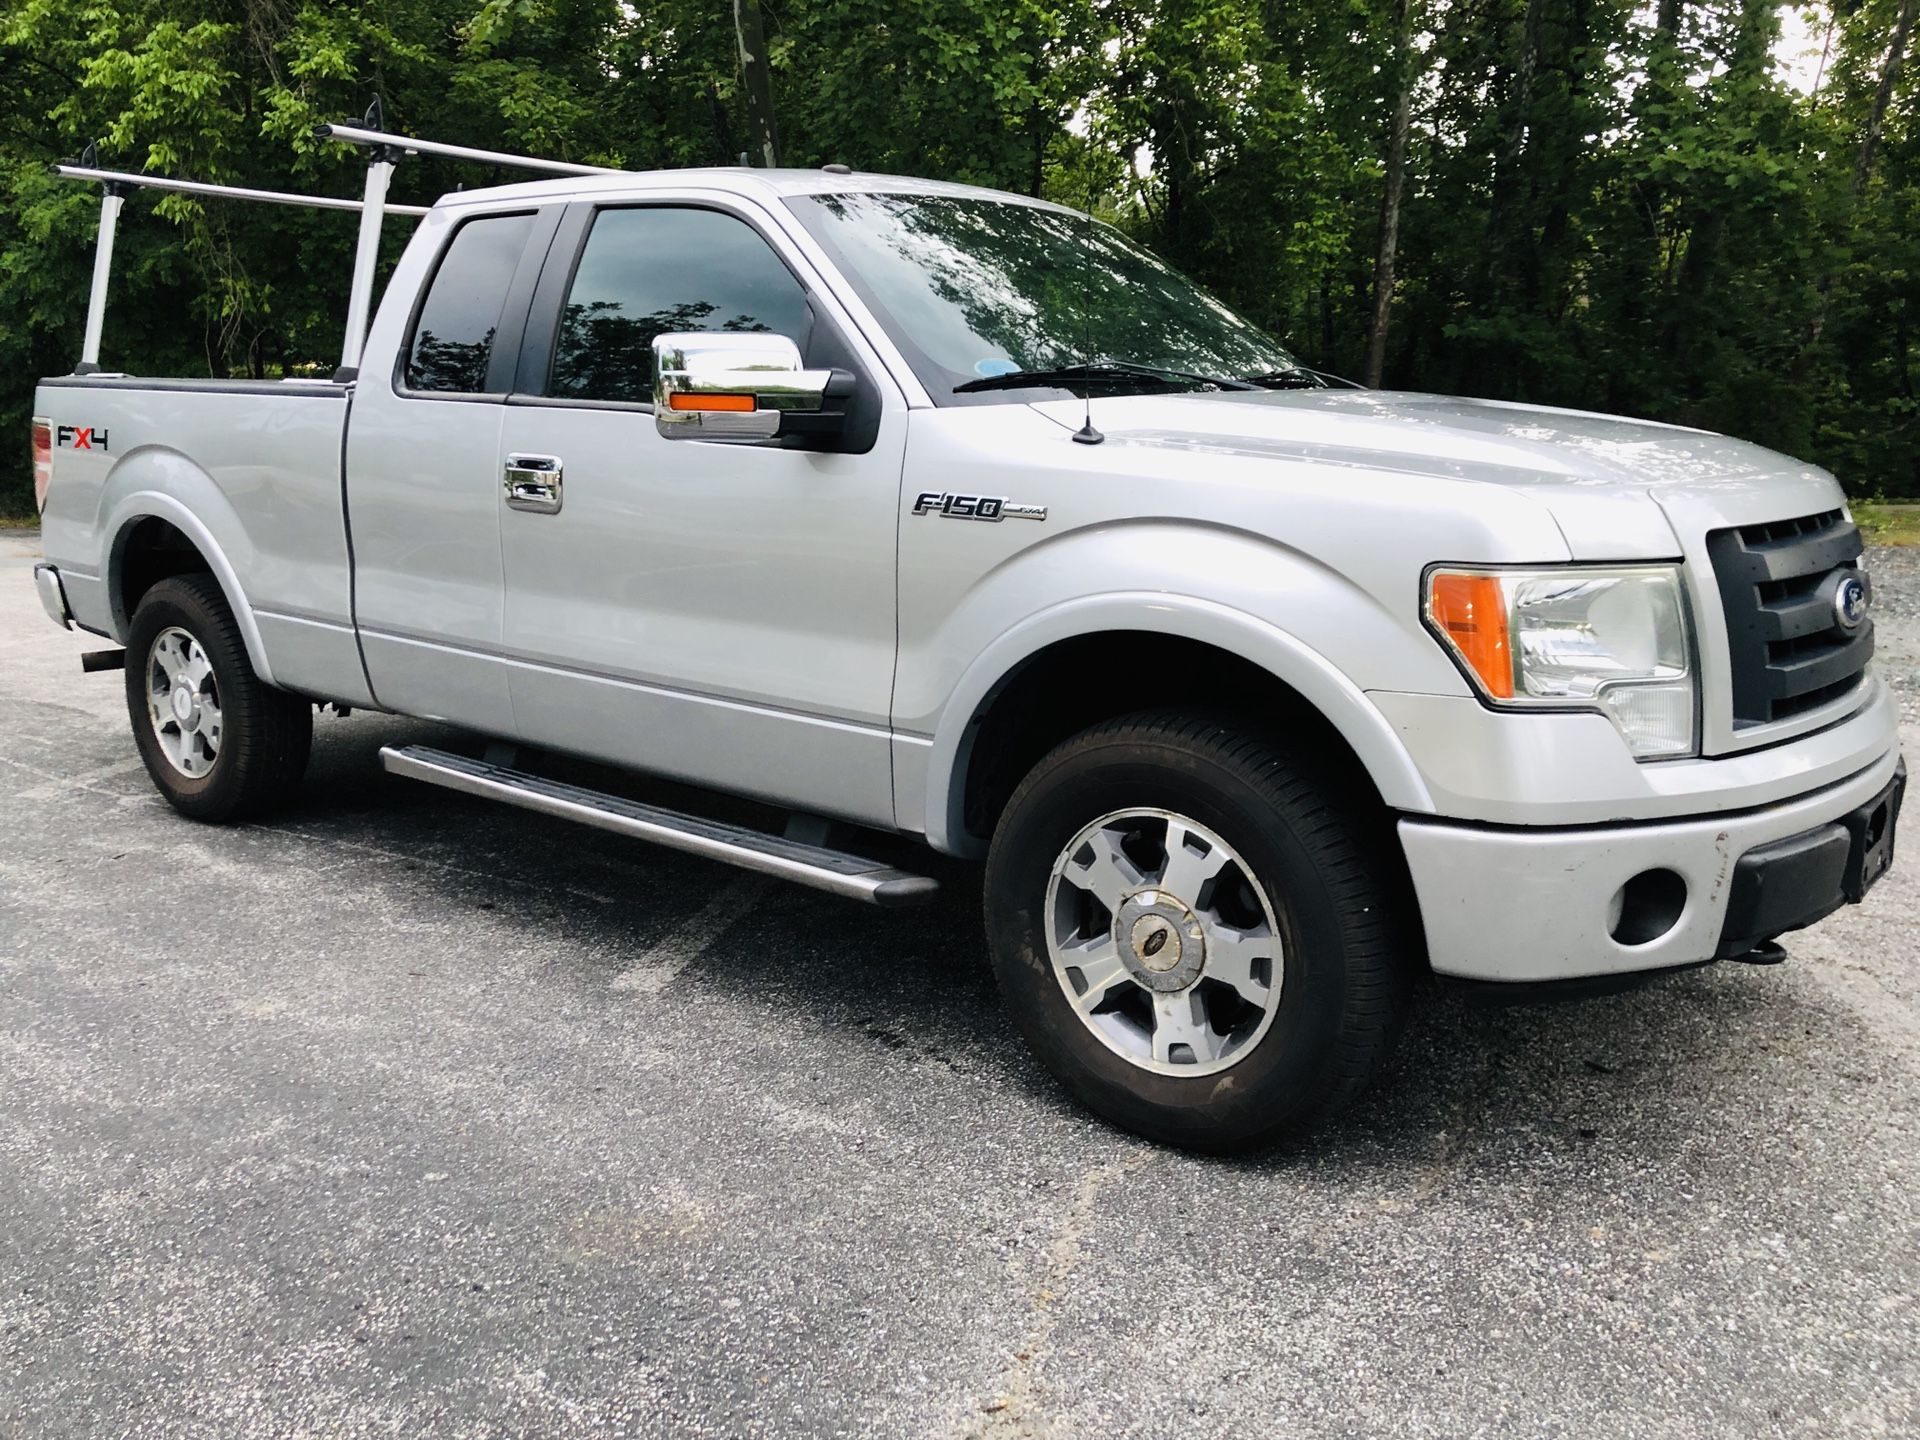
(835, 871)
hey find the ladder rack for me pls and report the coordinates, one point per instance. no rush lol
(385, 151)
(231, 192)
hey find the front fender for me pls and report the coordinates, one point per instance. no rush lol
(1321, 683)
(163, 484)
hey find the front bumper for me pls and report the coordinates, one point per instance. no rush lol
(1526, 905)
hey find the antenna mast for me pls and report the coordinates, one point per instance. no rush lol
(1086, 434)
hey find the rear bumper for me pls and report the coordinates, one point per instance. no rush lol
(1532, 905)
(53, 596)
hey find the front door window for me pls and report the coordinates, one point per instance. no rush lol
(658, 270)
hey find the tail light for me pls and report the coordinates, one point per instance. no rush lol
(42, 460)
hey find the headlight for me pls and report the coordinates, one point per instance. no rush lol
(1615, 641)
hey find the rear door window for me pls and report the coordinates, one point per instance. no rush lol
(660, 270)
(453, 336)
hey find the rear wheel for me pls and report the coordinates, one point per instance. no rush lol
(1193, 936)
(219, 742)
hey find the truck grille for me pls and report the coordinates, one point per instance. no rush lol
(1790, 650)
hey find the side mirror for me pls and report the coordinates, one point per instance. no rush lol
(730, 386)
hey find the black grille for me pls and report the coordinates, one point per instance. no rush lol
(1777, 585)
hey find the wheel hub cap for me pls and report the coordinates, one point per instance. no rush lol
(1161, 942)
(1164, 942)
(183, 702)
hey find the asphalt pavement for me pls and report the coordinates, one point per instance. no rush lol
(403, 1115)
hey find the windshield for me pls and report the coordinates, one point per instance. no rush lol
(974, 289)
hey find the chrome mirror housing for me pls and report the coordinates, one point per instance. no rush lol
(730, 386)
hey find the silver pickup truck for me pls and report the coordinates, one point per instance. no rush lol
(952, 514)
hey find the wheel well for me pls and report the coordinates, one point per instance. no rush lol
(1076, 683)
(152, 551)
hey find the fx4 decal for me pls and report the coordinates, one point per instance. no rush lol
(80, 437)
(974, 507)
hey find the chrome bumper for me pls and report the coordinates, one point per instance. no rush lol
(53, 597)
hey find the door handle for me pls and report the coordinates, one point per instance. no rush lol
(533, 484)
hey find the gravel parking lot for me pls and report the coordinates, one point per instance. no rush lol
(403, 1115)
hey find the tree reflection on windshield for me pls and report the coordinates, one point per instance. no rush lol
(976, 287)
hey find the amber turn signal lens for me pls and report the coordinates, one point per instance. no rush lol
(1471, 611)
(738, 403)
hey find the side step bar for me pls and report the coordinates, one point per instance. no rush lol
(835, 871)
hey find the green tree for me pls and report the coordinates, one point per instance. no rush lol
(1599, 203)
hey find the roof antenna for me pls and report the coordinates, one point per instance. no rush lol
(1086, 434)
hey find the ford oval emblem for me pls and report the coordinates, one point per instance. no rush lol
(1850, 602)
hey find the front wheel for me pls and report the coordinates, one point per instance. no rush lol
(1192, 935)
(219, 742)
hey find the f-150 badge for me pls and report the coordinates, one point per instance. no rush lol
(974, 507)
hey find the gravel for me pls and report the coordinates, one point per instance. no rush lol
(1896, 618)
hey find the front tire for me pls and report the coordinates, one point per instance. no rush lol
(219, 742)
(1194, 936)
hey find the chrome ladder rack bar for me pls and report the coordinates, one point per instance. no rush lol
(373, 207)
(366, 255)
(110, 202)
(230, 192)
(117, 182)
(384, 149)
(356, 135)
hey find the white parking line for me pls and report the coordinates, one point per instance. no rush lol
(653, 971)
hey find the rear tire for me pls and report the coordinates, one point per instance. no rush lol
(1222, 999)
(219, 742)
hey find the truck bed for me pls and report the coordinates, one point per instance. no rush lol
(250, 471)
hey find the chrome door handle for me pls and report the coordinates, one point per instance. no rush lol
(533, 483)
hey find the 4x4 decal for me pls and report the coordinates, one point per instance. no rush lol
(80, 437)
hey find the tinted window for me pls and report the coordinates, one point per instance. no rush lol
(656, 271)
(453, 338)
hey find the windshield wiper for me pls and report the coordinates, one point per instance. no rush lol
(1299, 377)
(1097, 370)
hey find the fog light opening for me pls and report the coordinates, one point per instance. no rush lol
(1647, 907)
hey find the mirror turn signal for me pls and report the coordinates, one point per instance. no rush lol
(731, 386)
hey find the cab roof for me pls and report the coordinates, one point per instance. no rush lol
(738, 180)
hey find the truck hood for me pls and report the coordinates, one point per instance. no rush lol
(1581, 465)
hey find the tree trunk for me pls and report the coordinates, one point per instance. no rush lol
(1862, 168)
(1665, 67)
(1171, 160)
(1044, 119)
(1037, 157)
(722, 128)
(757, 72)
(1883, 97)
(1690, 309)
(1390, 202)
(1508, 162)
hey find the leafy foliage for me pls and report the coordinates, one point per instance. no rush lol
(1608, 205)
